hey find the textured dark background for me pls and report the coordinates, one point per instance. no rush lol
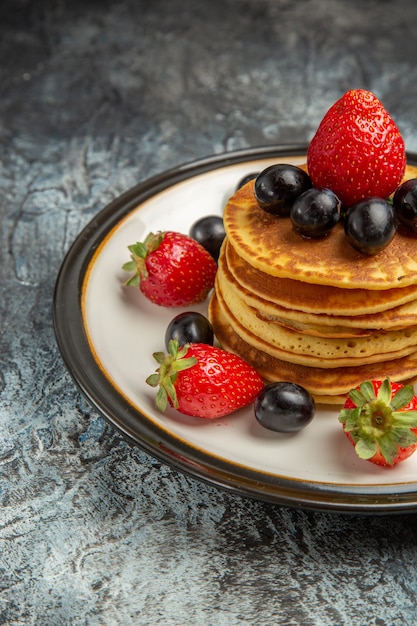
(94, 98)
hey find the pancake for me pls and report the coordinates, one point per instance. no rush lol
(270, 245)
(318, 324)
(328, 386)
(313, 298)
(320, 352)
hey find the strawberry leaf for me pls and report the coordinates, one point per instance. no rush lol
(138, 249)
(344, 414)
(403, 437)
(133, 281)
(152, 242)
(182, 351)
(385, 392)
(173, 347)
(388, 447)
(402, 397)
(161, 399)
(357, 397)
(405, 418)
(179, 362)
(365, 448)
(153, 380)
(171, 392)
(130, 266)
(349, 417)
(184, 364)
(159, 357)
(367, 390)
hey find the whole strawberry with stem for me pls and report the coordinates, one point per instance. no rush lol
(171, 269)
(380, 419)
(357, 151)
(203, 381)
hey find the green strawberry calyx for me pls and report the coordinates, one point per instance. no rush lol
(138, 253)
(166, 374)
(379, 421)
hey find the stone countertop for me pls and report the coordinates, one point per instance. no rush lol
(94, 98)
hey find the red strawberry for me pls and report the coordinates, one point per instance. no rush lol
(357, 151)
(171, 269)
(380, 419)
(203, 381)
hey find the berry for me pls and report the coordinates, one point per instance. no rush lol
(278, 186)
(380, 419)
(189, 327)
(357, 151)
(203, 381)
(405, 204)
(370, 225)
(315, 212)
(171, 269)
(246, 179)
(209, 232)
(284, 407)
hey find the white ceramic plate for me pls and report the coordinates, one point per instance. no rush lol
(107, 334)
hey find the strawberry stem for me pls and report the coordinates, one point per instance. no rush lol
(139, 251)
(165, 375)
(380, 421)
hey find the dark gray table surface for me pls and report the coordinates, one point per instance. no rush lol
(94, 98)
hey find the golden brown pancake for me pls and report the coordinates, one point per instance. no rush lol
(269, 244)
(313, 298)
(329, 386)
(322, 352)
(319, 324)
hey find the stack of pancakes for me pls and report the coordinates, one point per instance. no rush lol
(314, 312)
